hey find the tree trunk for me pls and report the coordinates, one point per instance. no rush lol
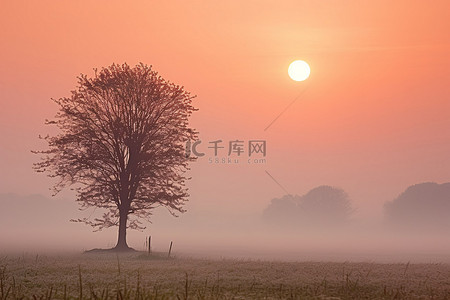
(122, 239)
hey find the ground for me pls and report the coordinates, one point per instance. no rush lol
(139, 276)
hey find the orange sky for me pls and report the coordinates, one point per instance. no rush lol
(374, 120)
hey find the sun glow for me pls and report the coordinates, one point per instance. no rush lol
(299, 70)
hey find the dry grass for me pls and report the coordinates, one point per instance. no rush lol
(138, 276)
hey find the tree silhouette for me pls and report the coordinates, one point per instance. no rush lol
(323, 205)
(326, 204)
(122, 145)
(282, 211)
(421, 206)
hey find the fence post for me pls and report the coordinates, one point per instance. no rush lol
(170, 248)
(149, 244)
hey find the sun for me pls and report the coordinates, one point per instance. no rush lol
(299, 70)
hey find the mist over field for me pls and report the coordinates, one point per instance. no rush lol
(320, 225)
(356, 164)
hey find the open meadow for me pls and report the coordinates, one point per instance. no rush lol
(140, 276)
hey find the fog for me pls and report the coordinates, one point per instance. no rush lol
(359, 163)
(322, 224)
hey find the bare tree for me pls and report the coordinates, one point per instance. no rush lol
(121, 145)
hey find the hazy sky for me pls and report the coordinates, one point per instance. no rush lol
(373, 120)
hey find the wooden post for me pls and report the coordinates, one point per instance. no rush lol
(170, 248)
(149, 244)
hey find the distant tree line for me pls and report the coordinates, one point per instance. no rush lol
(323, 205)
(424, 205)
(421, 206)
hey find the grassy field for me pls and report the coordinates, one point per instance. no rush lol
(139, 276)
